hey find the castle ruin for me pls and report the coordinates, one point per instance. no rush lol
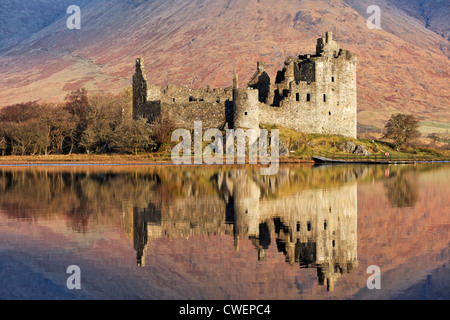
(312, 94)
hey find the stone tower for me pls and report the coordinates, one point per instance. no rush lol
(246, 108)
(314, 93)
(139, 89)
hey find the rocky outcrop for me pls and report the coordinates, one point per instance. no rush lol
(351, 147)
(361, 150)
(347, 146)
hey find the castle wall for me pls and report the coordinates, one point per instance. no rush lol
(154, 93)
(183, 115)
(246, 108)
(312, 94)
(150, 110)
(182, 95)
(261, 81)
(306, 71)
(181, 106)
(326, 105)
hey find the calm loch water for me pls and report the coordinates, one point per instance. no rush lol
(165, 232)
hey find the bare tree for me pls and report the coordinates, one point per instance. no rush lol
(22, 137)
(3, 145)
(162, 130)
(98, 123)
(103, 116)
(132, 136)
(77, 103)
(40, 137)
(21, 112)
(127, 104)
(63, 128)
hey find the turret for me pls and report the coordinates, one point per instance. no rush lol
(246, 108)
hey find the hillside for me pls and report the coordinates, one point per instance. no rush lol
(403, 67)
(20, 19)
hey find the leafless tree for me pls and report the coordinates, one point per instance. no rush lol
(132, 136)
(3, 145)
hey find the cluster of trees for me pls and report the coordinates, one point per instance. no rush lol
(82, 124)
(99, 124)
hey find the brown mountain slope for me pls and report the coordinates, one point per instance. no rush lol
(403, 67)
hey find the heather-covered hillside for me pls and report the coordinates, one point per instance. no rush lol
(402, 67)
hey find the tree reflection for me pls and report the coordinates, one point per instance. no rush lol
(308, 214)
(403, 190)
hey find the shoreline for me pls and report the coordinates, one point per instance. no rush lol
(112, 160)
(80, 160)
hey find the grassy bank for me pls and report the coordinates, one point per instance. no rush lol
(301, 147)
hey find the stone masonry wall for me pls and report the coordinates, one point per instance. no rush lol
(182, 106)
(327, 105)
(183, 116)
(312, 94)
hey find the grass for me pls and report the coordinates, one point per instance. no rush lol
(427, 127)
(300, 145)
(303, 145)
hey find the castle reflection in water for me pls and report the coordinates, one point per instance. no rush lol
(313, 225)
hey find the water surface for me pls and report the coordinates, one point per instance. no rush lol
(165, 232)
